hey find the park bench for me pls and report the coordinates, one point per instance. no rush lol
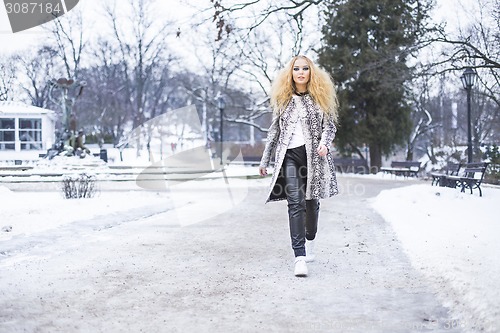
(351, 165)
(470, 177)
(403, 168)
(439, 177)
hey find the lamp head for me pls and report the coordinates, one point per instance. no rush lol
(221, 103)
(468, 78)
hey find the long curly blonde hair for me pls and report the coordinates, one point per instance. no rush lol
(320, 88)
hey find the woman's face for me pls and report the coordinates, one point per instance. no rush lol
(301, 74)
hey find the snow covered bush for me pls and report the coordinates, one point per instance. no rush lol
(79, 186)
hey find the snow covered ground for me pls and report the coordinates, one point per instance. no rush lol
(451, 237)
(31, 213)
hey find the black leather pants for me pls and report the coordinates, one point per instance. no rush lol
(302, 214)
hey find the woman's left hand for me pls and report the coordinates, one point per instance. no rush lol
(322, 150)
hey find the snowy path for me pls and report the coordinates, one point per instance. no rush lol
(230, 272)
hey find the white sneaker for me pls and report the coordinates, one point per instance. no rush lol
(310, 250)
(300, 266)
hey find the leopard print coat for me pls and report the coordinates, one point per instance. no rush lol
(318, 129)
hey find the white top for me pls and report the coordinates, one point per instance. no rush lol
(297, 139)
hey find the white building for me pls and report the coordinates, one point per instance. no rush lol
(25, 130)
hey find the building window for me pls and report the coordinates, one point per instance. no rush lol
(7, 134)
(30, 133)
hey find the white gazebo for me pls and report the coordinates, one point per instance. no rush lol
(25, 130)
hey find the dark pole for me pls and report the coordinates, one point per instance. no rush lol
(221, 134)
(469, 134)
(468, 78)
(222, 104)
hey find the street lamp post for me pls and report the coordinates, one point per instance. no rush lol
(221, 103)
(468, 79)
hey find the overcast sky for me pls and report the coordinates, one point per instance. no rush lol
(451, 11)
(173, 10)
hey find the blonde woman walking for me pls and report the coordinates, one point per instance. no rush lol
(305, 112)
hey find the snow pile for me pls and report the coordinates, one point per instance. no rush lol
(453, 238)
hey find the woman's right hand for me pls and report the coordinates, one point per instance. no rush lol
(263, 171)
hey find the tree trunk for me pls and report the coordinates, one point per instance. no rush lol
(375, 158)
(409, 152)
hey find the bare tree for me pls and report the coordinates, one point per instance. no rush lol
(250, 59)
(68, 37)
(475, 46)
(241, 68)
(106, 109)
(249, 42)
(421, 117)
(39, 70)
(485, 122)
(259, 56)
(142, 52)
(8, 69)
(258, 12)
